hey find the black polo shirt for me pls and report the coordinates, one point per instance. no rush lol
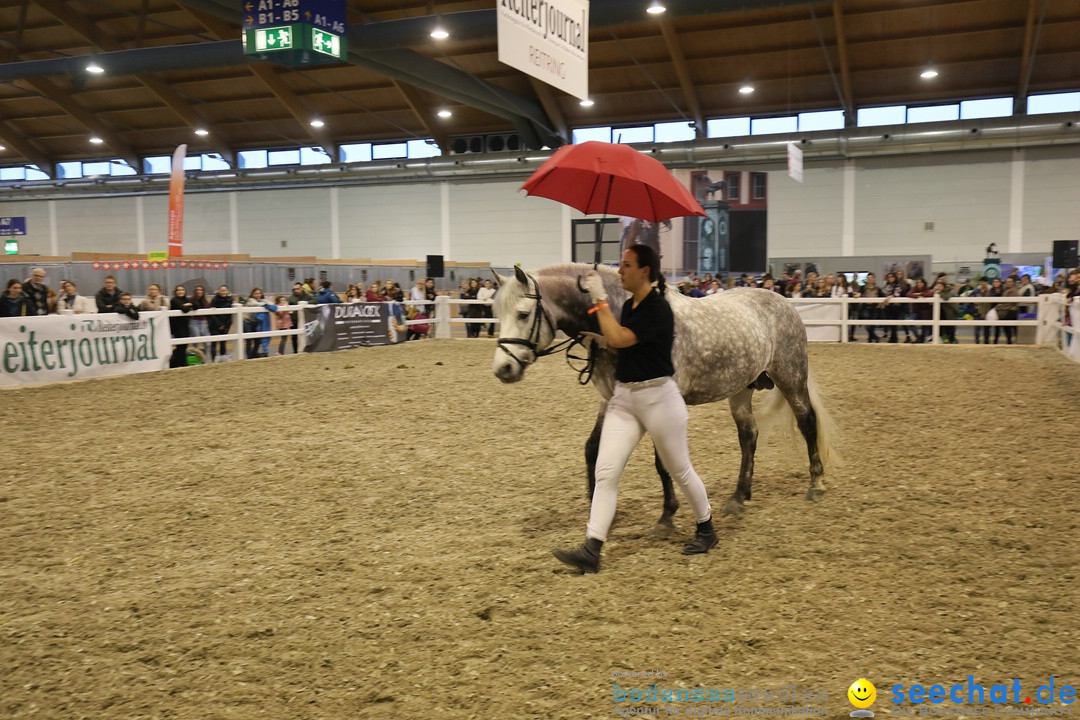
(653, 323)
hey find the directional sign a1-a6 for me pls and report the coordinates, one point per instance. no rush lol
(327, 15)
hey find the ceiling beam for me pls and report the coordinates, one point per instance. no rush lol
(17, 42)
(220, 28)
(89, 120)
(171, 98)
(1027, 56)
(26, 147)
(423, 113)
(296, 108)
(845, 66)
(671, 41)
(551, 107)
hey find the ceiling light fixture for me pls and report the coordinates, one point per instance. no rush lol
(202, 131)
(928, 74)
(317, 123)
(439, 32)
(96, 140)
(93, 68)
(656, 8)
(746, 89)
(445, 113)
(587, 102)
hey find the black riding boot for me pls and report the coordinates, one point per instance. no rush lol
(704, 539)
(585, 558)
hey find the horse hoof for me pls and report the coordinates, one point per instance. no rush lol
(734, 507)
(815, 494)
(663, 530)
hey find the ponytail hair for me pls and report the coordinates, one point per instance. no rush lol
(648, 257)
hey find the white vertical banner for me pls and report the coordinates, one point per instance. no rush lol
(794, 162)
(548, 39)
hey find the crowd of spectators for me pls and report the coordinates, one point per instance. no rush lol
(895, 289)
(34, 297)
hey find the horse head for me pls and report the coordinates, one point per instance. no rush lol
(525, 326)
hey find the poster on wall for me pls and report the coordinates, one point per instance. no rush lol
(345, 326)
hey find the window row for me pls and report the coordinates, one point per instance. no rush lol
(655, 133)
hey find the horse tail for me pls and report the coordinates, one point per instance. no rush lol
(775, 415)
(827, 430)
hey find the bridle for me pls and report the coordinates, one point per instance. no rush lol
(532, 342)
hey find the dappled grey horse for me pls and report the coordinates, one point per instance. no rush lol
(726, 346)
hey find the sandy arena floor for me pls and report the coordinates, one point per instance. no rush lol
(368, 534)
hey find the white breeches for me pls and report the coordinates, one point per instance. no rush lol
(660, 411)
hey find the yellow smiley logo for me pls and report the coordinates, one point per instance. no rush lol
(862, 693)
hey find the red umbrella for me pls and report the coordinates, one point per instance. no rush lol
(598, 177)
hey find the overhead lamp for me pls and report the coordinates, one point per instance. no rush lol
(439, 32)
(656, 8)
(93, 68)
(587, 102)
(202, 131)
(444, 113)
(746, 89)
(2, 148)
(317, 123)
(95, 140)
(928, 74)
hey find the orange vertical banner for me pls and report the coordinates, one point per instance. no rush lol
(176, 203)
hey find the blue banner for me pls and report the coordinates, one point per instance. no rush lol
(12, 226)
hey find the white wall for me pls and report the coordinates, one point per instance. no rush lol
(968, 196)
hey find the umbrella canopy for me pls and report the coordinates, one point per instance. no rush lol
(600, 178)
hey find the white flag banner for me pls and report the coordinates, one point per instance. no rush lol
(548, 40)
(794, 162)
(821, 311)
(59, 348)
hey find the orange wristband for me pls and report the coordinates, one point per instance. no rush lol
(597, 306)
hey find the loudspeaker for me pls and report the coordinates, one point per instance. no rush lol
(435, 266)
(1065, 253)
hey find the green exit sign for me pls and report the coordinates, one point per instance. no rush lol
(274, 38)
(11, 246)
(295, 44)
(326, 43)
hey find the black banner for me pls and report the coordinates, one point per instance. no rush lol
(343, 326)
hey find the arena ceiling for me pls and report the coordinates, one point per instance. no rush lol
(174, 66)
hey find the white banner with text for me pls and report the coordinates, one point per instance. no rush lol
(59, 348)
(548, 39)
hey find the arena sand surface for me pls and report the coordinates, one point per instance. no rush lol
(368, 534)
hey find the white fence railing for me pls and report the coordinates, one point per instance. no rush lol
(831, 315)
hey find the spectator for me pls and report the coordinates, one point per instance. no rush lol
(871, 311)
(37, 292)
(472, 312)
(309, 286)
(326, 294)
(714, 288)
(154, 300)
(695, 289)
(393, 292)
(354, 295)
(299, 295)
(420, 330)
(373, 294)
(108, 296)
(13, 303)
(982, 310)
(259, 323)
(70, 299)
(1008, 311)
(285, 321)
(794, 289)
(487, 294)
(845, 289)
(820, 289)
(892, 310)
(1026, 290)
(922, 311)
(197, 326)
(430, 293)
(220, 324)
(417, 293)
(948, 311)
(125, 307)
(180, 325)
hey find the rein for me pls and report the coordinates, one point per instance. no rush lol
(531, 343)
(540, 314)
